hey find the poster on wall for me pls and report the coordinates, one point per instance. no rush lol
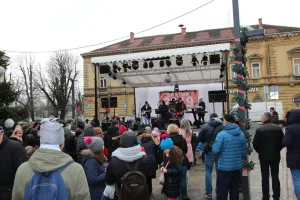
(190, 97)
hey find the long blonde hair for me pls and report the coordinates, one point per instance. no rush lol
(185, 125)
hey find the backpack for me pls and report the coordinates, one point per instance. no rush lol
(133, 184)
(47, 186)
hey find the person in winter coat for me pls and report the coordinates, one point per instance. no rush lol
(151, 147)
(179, 141)
(171, 167)
(48, 158)
(17, 135)
(88, 131)
(275, 116)
(207, 137)
(112, 132)
(291, 140)
(267, 143)
(70, 142)
(194, 143)
(94, 164)
(186, 132)
(12, 155)
(231, 147)
(99, 133)
(129, 152)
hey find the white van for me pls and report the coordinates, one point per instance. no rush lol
(257, 109)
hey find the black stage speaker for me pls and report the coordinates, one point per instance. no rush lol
(105, 126)
(113, 102)
(104, 102)
(104, 69)
(217, 96)
(214, 59)
(212, 96)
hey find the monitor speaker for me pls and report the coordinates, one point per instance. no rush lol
(217, 96)
(212, 96)
(214, 59)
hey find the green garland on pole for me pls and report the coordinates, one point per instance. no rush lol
(242, 85)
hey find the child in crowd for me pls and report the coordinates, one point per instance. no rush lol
(171, 167)
(94, 164)
(200, 147)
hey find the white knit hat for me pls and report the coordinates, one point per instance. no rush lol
(52, 133)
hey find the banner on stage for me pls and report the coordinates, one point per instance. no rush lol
(190, 97)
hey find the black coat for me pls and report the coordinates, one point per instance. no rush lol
(292, 140)
(80, 145)
(180, 107)
(116, 170)
(203, 105)
(151, 150)
(70, 143)
(180, 142)
(12, 155)
(171, 188)
(164, 110)
(109, 143)
(267, 141)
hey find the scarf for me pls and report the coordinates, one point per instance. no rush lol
(129, 154)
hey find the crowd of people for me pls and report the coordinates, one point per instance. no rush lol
(79, 161)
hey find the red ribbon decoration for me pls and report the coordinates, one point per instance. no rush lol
(241, 91)
(242, 108)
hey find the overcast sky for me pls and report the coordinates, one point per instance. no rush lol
(40, 25)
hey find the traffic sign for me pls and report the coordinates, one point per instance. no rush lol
(274, 95)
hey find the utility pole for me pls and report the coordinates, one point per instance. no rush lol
(96, 94)
(241, 90)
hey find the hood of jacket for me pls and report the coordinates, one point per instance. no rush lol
(46, 160)
(215, 122)
(293, 117)
(87, 154)
(129, 154)
(233, 129)
(145, 137)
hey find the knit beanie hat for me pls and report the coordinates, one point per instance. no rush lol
(52, 133)
(128, 139)
(166, 143)
(122, 129)
(95, 144)
(89, 130)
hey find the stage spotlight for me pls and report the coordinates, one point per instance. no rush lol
(124, 82)
(179, 60)
(128, 67)
(222, 69)
(194, 60)
(135, 64)
(115, 77)
(204, 59)
(125, 70)
(221, 75)
(115, 66)
(119, 69)
(115, 71)
(161, 63)
(151, 64)
(176, 87)
(145, 65)
(168, 62)
(125, 64)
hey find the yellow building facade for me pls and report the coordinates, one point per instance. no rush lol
(273, 62)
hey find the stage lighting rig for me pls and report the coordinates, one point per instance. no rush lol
(151, 64)
(176, 87)
(161, 63)
(168, 63)
(204, 59)
(135, 64)
(145, 65)
(194, 60)
(179, 60)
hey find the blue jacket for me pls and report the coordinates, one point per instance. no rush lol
(95, 174)
(200, 147)
(230, 146)
(291, 139)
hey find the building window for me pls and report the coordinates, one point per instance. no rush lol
(297, 101)
(296, 63)
(103, 82)
(232, 73)
(255, 70)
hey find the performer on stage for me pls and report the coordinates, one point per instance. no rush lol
(201, 107)
(180, 108)
(163, 110)
(146, 110)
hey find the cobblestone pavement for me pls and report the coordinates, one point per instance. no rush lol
(196, 187)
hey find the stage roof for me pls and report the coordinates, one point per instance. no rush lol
(156, 76)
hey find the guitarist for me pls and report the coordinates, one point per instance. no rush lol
(146, 110)
(180, 108)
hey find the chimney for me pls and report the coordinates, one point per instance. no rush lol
(131, 36)
(260, 24)
(183, 30)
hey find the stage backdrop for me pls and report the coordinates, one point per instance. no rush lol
(190, 97)
(152, 95)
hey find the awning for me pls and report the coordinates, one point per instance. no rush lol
(160, 76)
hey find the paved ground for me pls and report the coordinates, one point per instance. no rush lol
(196, 187)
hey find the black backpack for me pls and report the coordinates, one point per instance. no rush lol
(133, 184)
